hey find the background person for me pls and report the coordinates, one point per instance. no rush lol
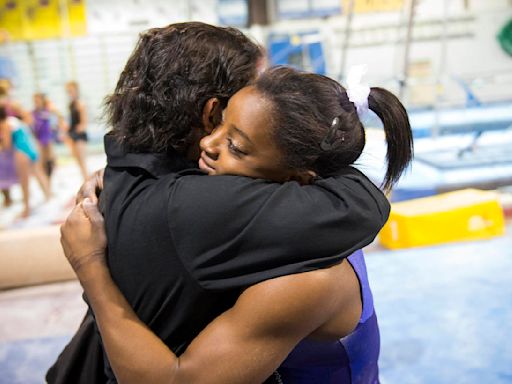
(43, 119)
(7, 162)
(16, 138)
(77, 128)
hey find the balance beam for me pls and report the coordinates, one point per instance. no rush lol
(32, 256)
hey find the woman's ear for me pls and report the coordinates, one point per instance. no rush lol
(212, 115)
(303, 177)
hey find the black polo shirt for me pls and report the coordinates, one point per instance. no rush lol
(183, 245)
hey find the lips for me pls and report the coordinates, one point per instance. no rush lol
(204, 164)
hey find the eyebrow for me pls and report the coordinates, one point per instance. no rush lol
(241, 133)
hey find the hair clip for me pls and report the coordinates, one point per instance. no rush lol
(330, 138)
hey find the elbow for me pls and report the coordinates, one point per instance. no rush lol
(173, 372)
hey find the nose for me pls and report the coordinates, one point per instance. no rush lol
(210, 145)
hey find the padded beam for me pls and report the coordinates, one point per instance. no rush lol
(32, 256)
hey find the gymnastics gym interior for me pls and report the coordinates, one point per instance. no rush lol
(441, 268)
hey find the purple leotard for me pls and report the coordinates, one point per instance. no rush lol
(350, 360)
(7, 169)
(42, 126)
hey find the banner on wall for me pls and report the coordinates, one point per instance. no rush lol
(77, 17)
(363, 6)
(42, 19)
(11, 19)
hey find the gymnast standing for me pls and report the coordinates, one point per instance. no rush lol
(8, 176)
(43, 118)
(77, 128)
(15, 137)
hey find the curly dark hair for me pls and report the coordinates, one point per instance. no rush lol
(304, 109)
(169, 77)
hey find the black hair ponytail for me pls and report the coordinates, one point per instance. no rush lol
(318, 128)
(397, 130)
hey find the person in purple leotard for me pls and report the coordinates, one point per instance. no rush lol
(286, 126)
(43, 116)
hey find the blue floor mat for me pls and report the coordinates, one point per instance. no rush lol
(445, 313)
(26, 361)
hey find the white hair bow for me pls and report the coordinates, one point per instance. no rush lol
(357, 91)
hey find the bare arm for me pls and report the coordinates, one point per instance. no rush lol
(243, 345)
(83, 117)
(5, 135)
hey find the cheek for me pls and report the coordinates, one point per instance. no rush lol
(269, 167)
(228, 163)
(231, 163)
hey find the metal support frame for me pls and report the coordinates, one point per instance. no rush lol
(407, 45)
(346, 41)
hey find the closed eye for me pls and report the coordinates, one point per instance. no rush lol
(234, 149)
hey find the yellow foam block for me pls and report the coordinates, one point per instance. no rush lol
(468, 214)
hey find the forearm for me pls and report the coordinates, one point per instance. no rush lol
(135, 353)
(287, 228)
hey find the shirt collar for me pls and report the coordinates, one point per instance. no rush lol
(157, 164)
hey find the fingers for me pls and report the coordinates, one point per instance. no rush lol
(91, 210)
(73, 219)
(83, 236)
(76, 216)
(64, 242)
(99, 180)
(91, 188)
(76, 213)
(87, 190)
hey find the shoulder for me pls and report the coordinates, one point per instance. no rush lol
(356, 189)
(286, 302)
(218, 192)
(195, 178)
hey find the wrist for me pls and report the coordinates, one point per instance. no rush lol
(89, 265)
